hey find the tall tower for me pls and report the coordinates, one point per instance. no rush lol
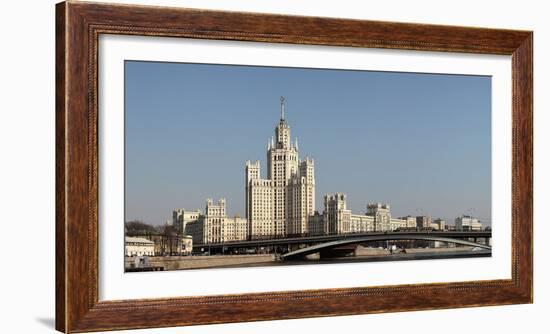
(382, 216)
(336, 215)
(282, 163)
(282, 203)
(300, 198)
(252, 172)
(258, 203)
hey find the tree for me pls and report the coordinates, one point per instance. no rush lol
(138, 228)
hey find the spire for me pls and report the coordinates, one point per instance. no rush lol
(282, 108)
(296, 143)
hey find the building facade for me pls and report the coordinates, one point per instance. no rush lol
(467, 223)
(337, 218)
(281, 204)
(410, 222)
(259, 203)
(215, 226)
(186, 245)
(439, 224)
(316, 224)
(398, 224)
(382, 216)
(180, 218)
(423, 221)
(135, 246)
(361, 224)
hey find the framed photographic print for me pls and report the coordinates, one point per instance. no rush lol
(223, 166)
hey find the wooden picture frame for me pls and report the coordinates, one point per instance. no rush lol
(78, 26)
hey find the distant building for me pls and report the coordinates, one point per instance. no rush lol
(337, 217)
(215, 226)
(398, 224)
(410, 221)
(423, 221)
(340, 220)
(186, 245)
(361, 223)
(316, 224)
(439, 224)
(381, 214)
(467, 223)
(139, 247)
(181, 217)
(196, 230)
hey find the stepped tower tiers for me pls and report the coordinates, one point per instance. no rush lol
(280, 205)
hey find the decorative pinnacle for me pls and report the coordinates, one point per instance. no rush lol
(282, 108)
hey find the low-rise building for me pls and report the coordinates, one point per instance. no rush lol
(467, 223)
(410, 220)
(398, 224)
(186, 245)
(423, 221)
(361, 223)
(439, 224)
(337, 219)
(135, 246)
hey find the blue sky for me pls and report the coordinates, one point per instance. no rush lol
(421, 142)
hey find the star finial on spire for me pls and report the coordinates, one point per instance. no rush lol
(282, 108)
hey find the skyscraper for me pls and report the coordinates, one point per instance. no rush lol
(281, 204)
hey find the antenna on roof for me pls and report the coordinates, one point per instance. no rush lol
(282, 108)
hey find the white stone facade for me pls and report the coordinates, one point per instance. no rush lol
(259, 203)
(423, 221)
(467, 223)
(336, 215)
(397, 224)
(382, 216)
(361, 223)
(180, 218)
(186, 245)
(281, 204)
(300, 198)
(439, 224)
(139, 247)
(337, 219)
(215, 226)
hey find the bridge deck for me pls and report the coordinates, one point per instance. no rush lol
(349, 241)
(335, 237)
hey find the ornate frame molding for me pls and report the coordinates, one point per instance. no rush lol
(78, 27)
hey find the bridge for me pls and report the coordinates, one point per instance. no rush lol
(297, 242)
(319, 248)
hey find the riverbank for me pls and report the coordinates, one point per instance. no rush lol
(200, 262)
(362, 254)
